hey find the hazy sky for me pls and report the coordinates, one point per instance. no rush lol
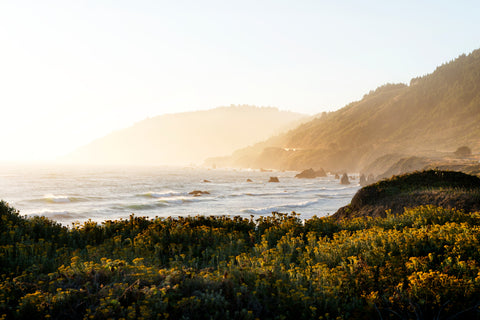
(71, 71)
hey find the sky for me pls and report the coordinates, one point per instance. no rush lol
(72, 71)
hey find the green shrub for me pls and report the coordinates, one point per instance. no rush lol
(422, 263)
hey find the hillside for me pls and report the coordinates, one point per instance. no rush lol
(447, 189)
(433, 114)
(189, 137)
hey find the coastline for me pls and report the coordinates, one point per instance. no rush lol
(100, 193)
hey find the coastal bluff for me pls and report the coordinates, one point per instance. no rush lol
(448, 189)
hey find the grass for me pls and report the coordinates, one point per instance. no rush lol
(414, 182)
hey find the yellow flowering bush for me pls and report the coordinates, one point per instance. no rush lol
(421, 264)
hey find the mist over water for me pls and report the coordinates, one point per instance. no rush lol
(69, 194)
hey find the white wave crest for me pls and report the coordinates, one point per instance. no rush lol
(51, 198)
(281, 208)
(180, 199)
(162, 194)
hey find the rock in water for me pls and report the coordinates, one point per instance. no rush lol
(306, 174)
(197, 193)
(310, 174)
(344, 179)
(249, 180)
(320, 173)
(363, 180)
(273, 179)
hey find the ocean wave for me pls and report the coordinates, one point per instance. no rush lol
(351, 186)
(249, 194)
(331, 195)
(173, 197)
(267, 194)
(51, 198)
(141, 206)
(282, 208)
(277, 194)
(180, 199)
(58, 215)
(62, 215)
(161, 194)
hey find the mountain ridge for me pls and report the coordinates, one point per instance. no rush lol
(187, 137)
(435, 113)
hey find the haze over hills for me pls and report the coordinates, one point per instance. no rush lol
(435, 113)
(189, 137)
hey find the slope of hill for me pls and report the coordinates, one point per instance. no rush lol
(447, 189)
(434, 113)
(189, 137)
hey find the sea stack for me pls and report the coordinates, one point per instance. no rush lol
(310, 174)
(344, 179)
(306, 174)
(363, 180)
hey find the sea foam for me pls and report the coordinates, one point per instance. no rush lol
(282, 207)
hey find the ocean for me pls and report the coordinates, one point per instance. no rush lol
(70, 194)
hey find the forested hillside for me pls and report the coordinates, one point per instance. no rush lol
(434, 113)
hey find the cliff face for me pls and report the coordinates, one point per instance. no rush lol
(435, 113)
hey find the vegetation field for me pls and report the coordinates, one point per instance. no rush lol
(447, 189)
(423, 264)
